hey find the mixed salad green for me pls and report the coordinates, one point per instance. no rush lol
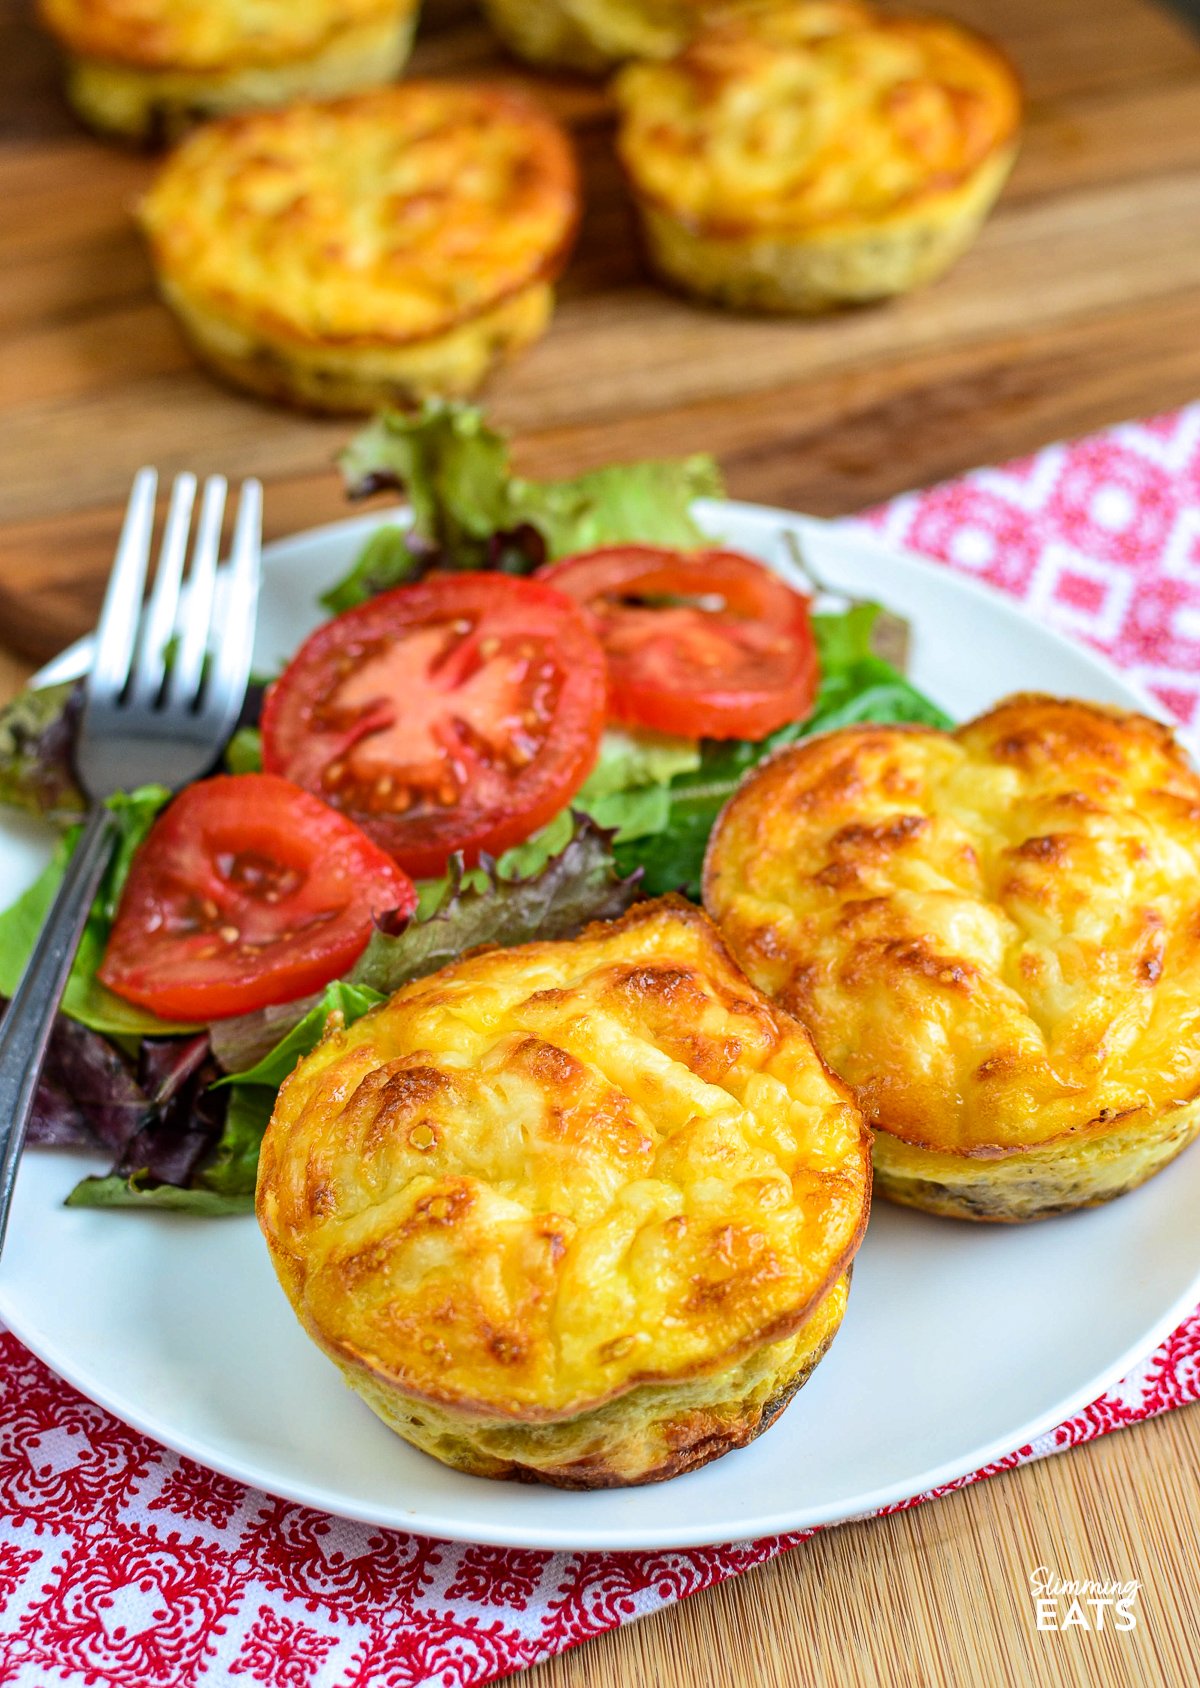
(181, 1108)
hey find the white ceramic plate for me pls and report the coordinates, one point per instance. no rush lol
(960, 1343)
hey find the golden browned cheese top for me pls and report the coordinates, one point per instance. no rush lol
(546, 1174)
(822, 114)
(208, 34)
(994, 935)
(381, 218)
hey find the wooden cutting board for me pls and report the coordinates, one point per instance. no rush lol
(1079, 305)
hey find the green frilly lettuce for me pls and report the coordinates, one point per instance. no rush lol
(469, 511)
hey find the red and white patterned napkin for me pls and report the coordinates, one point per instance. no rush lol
(123, 1566)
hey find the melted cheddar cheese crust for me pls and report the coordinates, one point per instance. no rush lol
(147, 69)
(794, 157)
(993, 936)
(579, 1211)
(592, 35)
(383, 246)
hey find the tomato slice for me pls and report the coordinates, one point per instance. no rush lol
(710, 644)
(459, 713)
(246, 891)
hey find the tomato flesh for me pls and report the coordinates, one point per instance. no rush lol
(246, 891)
(460, 713)
(709, 644)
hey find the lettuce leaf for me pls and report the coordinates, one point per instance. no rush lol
(194, 1147)
(88, 1093)
(469, 511)
(243, 753)
(846, 637)
(196, 1150)
(139, 1190)
(387, 559)
(625, 794)
(342, 997)
(233, 1171)
(244, 1039)
(37, 741)
(673, 857)
(577, 885)
(631, 760)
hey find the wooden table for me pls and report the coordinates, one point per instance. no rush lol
(1079, 306)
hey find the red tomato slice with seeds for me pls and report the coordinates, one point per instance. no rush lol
(460, 713)
(246, 891)
(709, 644)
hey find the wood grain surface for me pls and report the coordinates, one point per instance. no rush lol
(1079, 306)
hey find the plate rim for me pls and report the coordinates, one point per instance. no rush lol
(568, 1538)
(643, 1540)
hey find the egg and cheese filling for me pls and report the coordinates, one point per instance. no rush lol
(553, 1201)
(379, 220)
(799, 118)
(339, 251)
(591, 35)
(991, 935)
(145, 69)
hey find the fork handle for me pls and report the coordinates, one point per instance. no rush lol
(26, 1026)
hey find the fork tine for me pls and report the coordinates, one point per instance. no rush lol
(159, 622)
(231, 661)
(117, 632)
(187, 670)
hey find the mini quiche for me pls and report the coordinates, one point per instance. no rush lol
(147, 69)
(578, 1213)
(593, 35)
(993, 936)
(376, 249)
(800, 157)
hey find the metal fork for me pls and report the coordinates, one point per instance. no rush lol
(165, 689)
